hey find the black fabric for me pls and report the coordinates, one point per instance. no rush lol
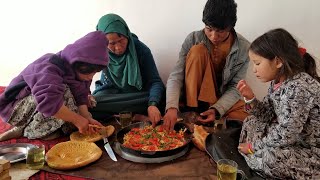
(110, 102)
(11, 94)
(224, 145)
(56, 60)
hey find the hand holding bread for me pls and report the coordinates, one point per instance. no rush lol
(102, 131)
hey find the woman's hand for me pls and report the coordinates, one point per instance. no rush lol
(170, 119)
(245, 89)
(154, 115)
(210, 116)
(245, 148)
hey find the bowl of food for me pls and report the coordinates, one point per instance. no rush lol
(143, 140)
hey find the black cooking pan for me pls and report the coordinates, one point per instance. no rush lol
(178, 126)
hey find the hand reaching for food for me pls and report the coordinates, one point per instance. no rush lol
(154, 115)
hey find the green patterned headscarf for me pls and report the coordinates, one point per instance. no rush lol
(123, 70)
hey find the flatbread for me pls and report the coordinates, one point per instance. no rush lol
(104, 131)
(199, 137)
(72, 154)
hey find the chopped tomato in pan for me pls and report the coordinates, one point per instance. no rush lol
(153, 139)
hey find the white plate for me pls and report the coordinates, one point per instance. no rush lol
(14, 152)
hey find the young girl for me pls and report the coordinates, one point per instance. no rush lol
(51, 94)
(281, 138)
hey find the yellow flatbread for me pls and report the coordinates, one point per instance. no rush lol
(72, 154)
(104, 131)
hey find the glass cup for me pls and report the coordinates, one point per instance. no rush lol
(228, 170)
(125, 118)
(35, 157)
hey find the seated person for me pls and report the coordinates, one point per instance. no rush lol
(281, 137)
(211, 62)
(50, 95)
(131, 81)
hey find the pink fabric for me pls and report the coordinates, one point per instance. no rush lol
(3, 125)
(2, 89)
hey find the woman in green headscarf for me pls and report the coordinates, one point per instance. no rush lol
(131, 81)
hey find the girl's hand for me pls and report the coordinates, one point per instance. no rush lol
(82, 125)
(245, 89)
(154, 115)
(93, 122)
(245, 148)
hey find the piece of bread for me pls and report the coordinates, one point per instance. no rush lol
(199, 137)
(72, 154)
(4, 174)
(4, 164)
(104, 131)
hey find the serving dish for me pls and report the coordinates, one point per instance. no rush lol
(136, 157)
(178, 126)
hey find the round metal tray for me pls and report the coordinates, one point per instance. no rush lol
(140, 159)
(14, 152)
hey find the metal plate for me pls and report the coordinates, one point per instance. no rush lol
(14, 152)
(139, 159)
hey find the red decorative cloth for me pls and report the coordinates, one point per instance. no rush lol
(302, 51)
(2, 88)
(3, 125)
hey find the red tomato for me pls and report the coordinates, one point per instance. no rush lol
(165, 139)
(160, 128)
(136, 136)
(171, 145)
(179, 136)
(152, 148)
(135, 129)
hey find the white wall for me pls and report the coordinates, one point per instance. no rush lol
(34, 27)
